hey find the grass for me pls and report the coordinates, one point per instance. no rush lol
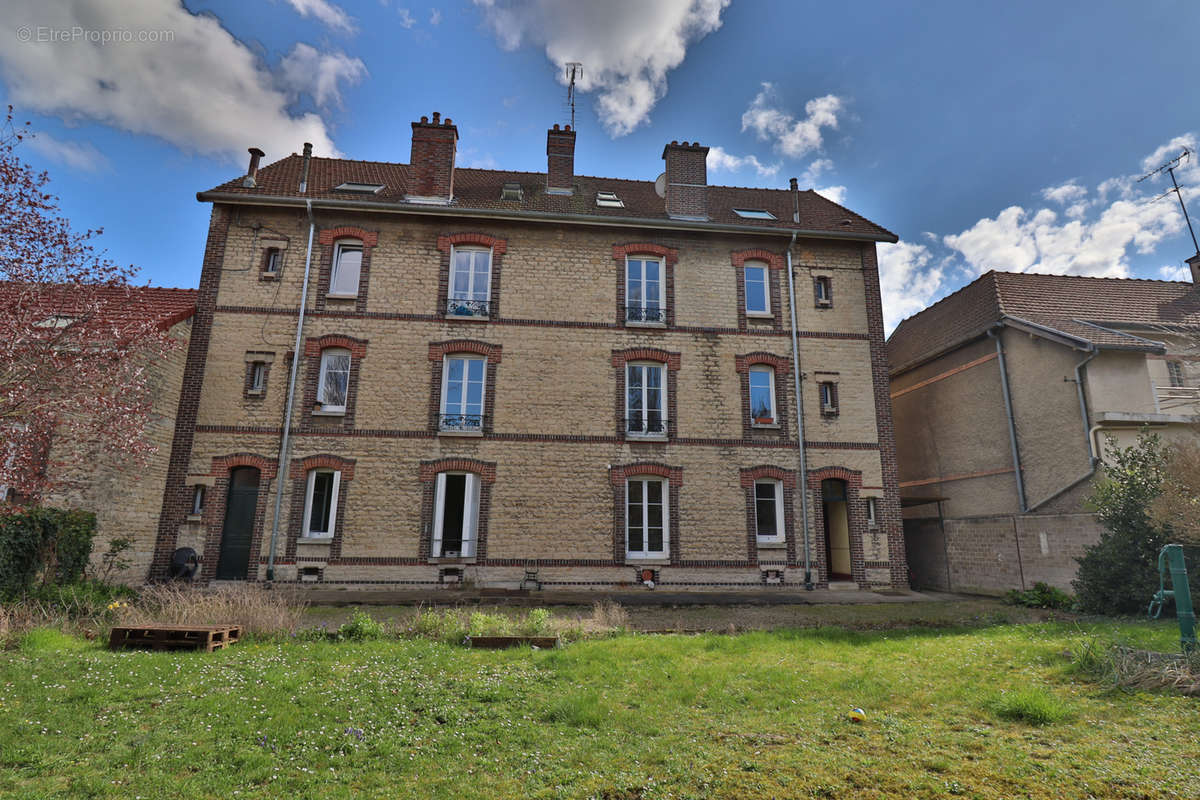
(987, 712)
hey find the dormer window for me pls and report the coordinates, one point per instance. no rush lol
(609, 200)
(360, 188)
(753, 213)
(512, 191)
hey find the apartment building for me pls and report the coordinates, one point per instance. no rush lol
(495, 379)
(1005, 395)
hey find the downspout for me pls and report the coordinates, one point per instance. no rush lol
(285, 440)
(808, 582)
(1012, 425)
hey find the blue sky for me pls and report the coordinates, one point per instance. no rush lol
(1002, 135)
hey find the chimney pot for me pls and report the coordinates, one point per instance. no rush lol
(424, 119)
(687, 180)
(560, 160)
(566, 127)
(447, 121)
(795, 185)
(252, 170)
(436, 116)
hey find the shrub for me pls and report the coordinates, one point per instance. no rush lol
(43, 545)
(1123, 666)
(362, 627)
(1040, 596)
(1032, 706)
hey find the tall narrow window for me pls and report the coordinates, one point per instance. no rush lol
(758, 301)
(258, 373)
(456, 515)
(320, 503)
(334, 380)
(463, 380)
(643, 290)
(823, 291)
(762, 395)
(768, 511)
(646, 529)
(645, 400)
(1175, 373)
(871, 520)
(347, 264)
(470, 282)
(198, 492)
(274, 257)
(829, 397)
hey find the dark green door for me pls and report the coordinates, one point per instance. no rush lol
(240, 507)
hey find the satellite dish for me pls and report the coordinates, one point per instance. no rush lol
(660, 185)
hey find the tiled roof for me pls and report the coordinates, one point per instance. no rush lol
(1093, 310)
(120, 305)
(479, 189)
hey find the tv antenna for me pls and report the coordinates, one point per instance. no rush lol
(1169, 168)
(574, 70)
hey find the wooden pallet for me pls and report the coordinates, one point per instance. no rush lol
(173, 637)
(501, 642)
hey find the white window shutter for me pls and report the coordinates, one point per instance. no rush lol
(470, 514)
(439, 503)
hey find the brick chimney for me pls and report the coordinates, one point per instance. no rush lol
(1194, 263)
(560, 160)
(687, 180)
(431, 166)
(252, 171)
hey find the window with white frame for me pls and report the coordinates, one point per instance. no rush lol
(347, 264)
(768, 511)
(274, 260)
(258, 375)
(829, 397)
(198, 493)
(463, 379)
(823, 291)
(470, 282)
(643, 290)
(645, 399)
(333, 383)
(455, 515)
(758, 300)
(762, 395)
(320, 503)
(646, 517)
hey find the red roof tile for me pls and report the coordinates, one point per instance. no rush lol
(1093, 310)
(479, 189)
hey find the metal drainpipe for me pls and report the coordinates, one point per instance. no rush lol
(285, 440)
(808, 582)
(1012, 425)
(1083, 413)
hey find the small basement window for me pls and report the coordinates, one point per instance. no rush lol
(512, 191)
(274, 257)
(609, 200)
(754, 213)
(362, 188)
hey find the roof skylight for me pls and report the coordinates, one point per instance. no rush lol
(753, 213)
(609, 200)
(363, 188)
(512, 191)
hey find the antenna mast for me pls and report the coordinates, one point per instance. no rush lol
(1170, 169)
(574, 70)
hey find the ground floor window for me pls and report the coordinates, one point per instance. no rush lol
(646, 529)
(320, 503)
(456, 515)
(768, 511)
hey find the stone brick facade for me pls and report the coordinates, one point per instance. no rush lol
(551, 457)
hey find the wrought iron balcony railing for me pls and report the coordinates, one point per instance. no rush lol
(460, 422)
(646, 426)
(645, 314)
(467, 308)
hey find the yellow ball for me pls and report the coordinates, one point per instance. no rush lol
(857, 715)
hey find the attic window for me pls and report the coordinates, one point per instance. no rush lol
(609, 200)
(56, 321)
(753, 213)
(363, 188)
(512, 191)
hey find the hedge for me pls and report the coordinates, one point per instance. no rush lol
(43, 545)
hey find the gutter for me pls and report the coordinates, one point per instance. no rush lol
(525, 216)
(808, 581)
(285, 440)
(1012, 425)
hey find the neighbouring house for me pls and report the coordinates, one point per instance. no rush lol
(537, 379)
(1005, 393)
(124, 493)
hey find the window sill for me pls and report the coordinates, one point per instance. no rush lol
(254, 392)
(467, 318)
(267, 276)
(823, 306)
(630, 437)
(635, 324)
(323, 412)
(452, 560)
(195, 518)
(647, 561)
(323, 539)
(767, 315)
(332, 296)
(767, 426)
(771, 544)
(468, 434)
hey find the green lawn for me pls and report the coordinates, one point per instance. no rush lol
(759, 714)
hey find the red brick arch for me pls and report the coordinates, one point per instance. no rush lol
(752, 474)
(325, 461)
(781, 365)
(622, 357)
(439, 350)
(357, 347)
(617, 474)
(773, 260)
(331, 235)
(621, 251)
(498, 246)
(221, 465)
(486, 470)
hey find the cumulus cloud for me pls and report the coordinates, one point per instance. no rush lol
(792, 137)
(1180, 273)
(79, 155)
(721, 160)
(326, 12)
(810, 175)
(907, 282)
(307, 70)
(194, 85)
(406, 18)
(835, 193)
(627, 47)
(1064, 193)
